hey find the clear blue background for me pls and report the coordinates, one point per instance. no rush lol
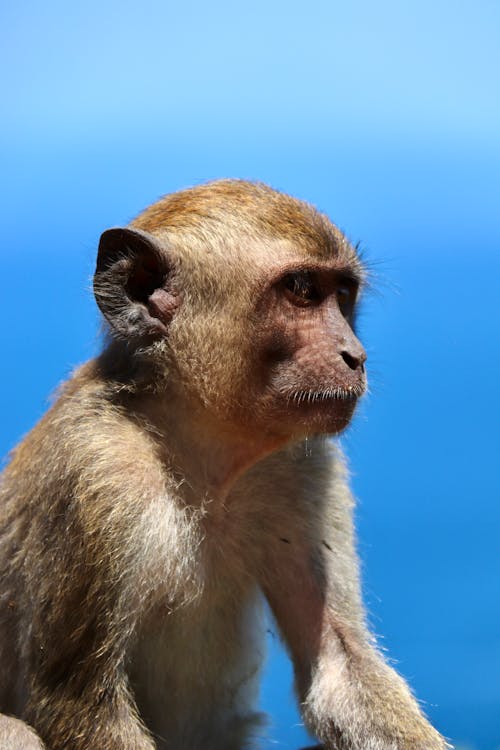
(387, 116)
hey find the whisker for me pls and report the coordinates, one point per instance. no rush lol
(337, 394)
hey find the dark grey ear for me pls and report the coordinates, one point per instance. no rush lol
(133, 284)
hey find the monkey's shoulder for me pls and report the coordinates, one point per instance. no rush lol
(86, 444)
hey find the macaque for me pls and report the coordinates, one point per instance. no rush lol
(185, 475)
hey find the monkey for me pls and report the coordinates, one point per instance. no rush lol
(15, 733)
(184, 477)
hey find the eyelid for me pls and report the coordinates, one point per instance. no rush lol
(324, 282)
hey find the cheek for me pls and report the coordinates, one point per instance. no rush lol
(289, 339)
(304, 341)
(212, 360)
(302, 361)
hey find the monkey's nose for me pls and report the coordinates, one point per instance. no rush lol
(354, 361)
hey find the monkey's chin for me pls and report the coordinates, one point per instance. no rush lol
(320, 412)
(329, 417)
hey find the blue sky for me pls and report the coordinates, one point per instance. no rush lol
(387, 116)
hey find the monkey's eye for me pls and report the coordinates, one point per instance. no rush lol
(345, 293)
(344, 297)
(300, 288)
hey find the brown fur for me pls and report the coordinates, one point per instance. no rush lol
(184, 473)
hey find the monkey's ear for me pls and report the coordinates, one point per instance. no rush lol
(132, 284)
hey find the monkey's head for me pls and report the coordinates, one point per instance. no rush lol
(244, 299)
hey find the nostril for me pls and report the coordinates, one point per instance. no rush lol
(352, 362)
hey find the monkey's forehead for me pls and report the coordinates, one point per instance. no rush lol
(230, 243)
(269, 252)
(253, 254)
(236, 215)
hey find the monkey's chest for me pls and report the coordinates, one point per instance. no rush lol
(194, 672)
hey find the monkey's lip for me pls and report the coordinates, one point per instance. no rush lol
(351, 393)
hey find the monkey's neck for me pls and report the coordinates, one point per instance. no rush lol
(207, 454)
(208, 457)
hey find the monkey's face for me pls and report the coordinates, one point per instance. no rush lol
(251, 309)
(312, 364)
(271, 349)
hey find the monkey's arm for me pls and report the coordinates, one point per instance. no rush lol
(79, 576)
(351, 699)
(75, 656)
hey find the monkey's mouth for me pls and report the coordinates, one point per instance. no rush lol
(351, 393)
